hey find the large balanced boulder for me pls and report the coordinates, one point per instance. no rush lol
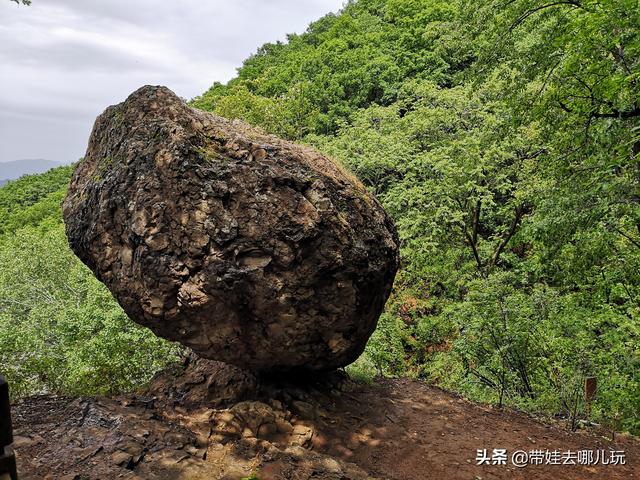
(248, 249)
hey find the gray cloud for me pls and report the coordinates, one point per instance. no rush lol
(64, 61)
(72, 57)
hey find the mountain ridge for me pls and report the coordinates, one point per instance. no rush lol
(13, 169)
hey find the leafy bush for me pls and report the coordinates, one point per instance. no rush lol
(60, 328)
(504, 141)
(502, 138)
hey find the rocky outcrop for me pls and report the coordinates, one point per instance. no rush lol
(248, 249)
(329, 428)
(156, 438)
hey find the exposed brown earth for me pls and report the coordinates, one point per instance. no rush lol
(325, 429)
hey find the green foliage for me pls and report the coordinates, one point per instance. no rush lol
(504, 140)
(385, 350)
(342, 63)
(31, 198)
(60, 328)
(362, 370)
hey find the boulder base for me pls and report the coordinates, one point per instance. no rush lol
(248, 249)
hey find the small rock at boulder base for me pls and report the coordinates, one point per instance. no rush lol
(244, 247)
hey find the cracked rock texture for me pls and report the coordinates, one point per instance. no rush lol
(249, 249)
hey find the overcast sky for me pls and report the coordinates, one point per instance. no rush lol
(62, 62)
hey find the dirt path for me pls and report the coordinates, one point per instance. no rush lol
(396, 429)
(406, 430)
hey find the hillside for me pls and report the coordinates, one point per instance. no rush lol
(60, 328)
(503, 139)
(17, 168)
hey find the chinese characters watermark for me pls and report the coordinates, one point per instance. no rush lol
(522, 458)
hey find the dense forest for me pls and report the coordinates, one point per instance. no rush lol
(60, 328)
(504, 139)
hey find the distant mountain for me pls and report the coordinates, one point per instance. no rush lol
(17, 168)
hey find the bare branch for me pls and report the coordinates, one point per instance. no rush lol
(618, 114)
(519, 213)
(528, 13)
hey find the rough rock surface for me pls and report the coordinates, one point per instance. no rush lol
(327, 428)
(174, 433)
(246, 248)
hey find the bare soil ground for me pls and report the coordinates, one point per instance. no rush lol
(394, 429)
(403, 429)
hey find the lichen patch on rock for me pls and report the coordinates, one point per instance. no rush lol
(249, 249)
